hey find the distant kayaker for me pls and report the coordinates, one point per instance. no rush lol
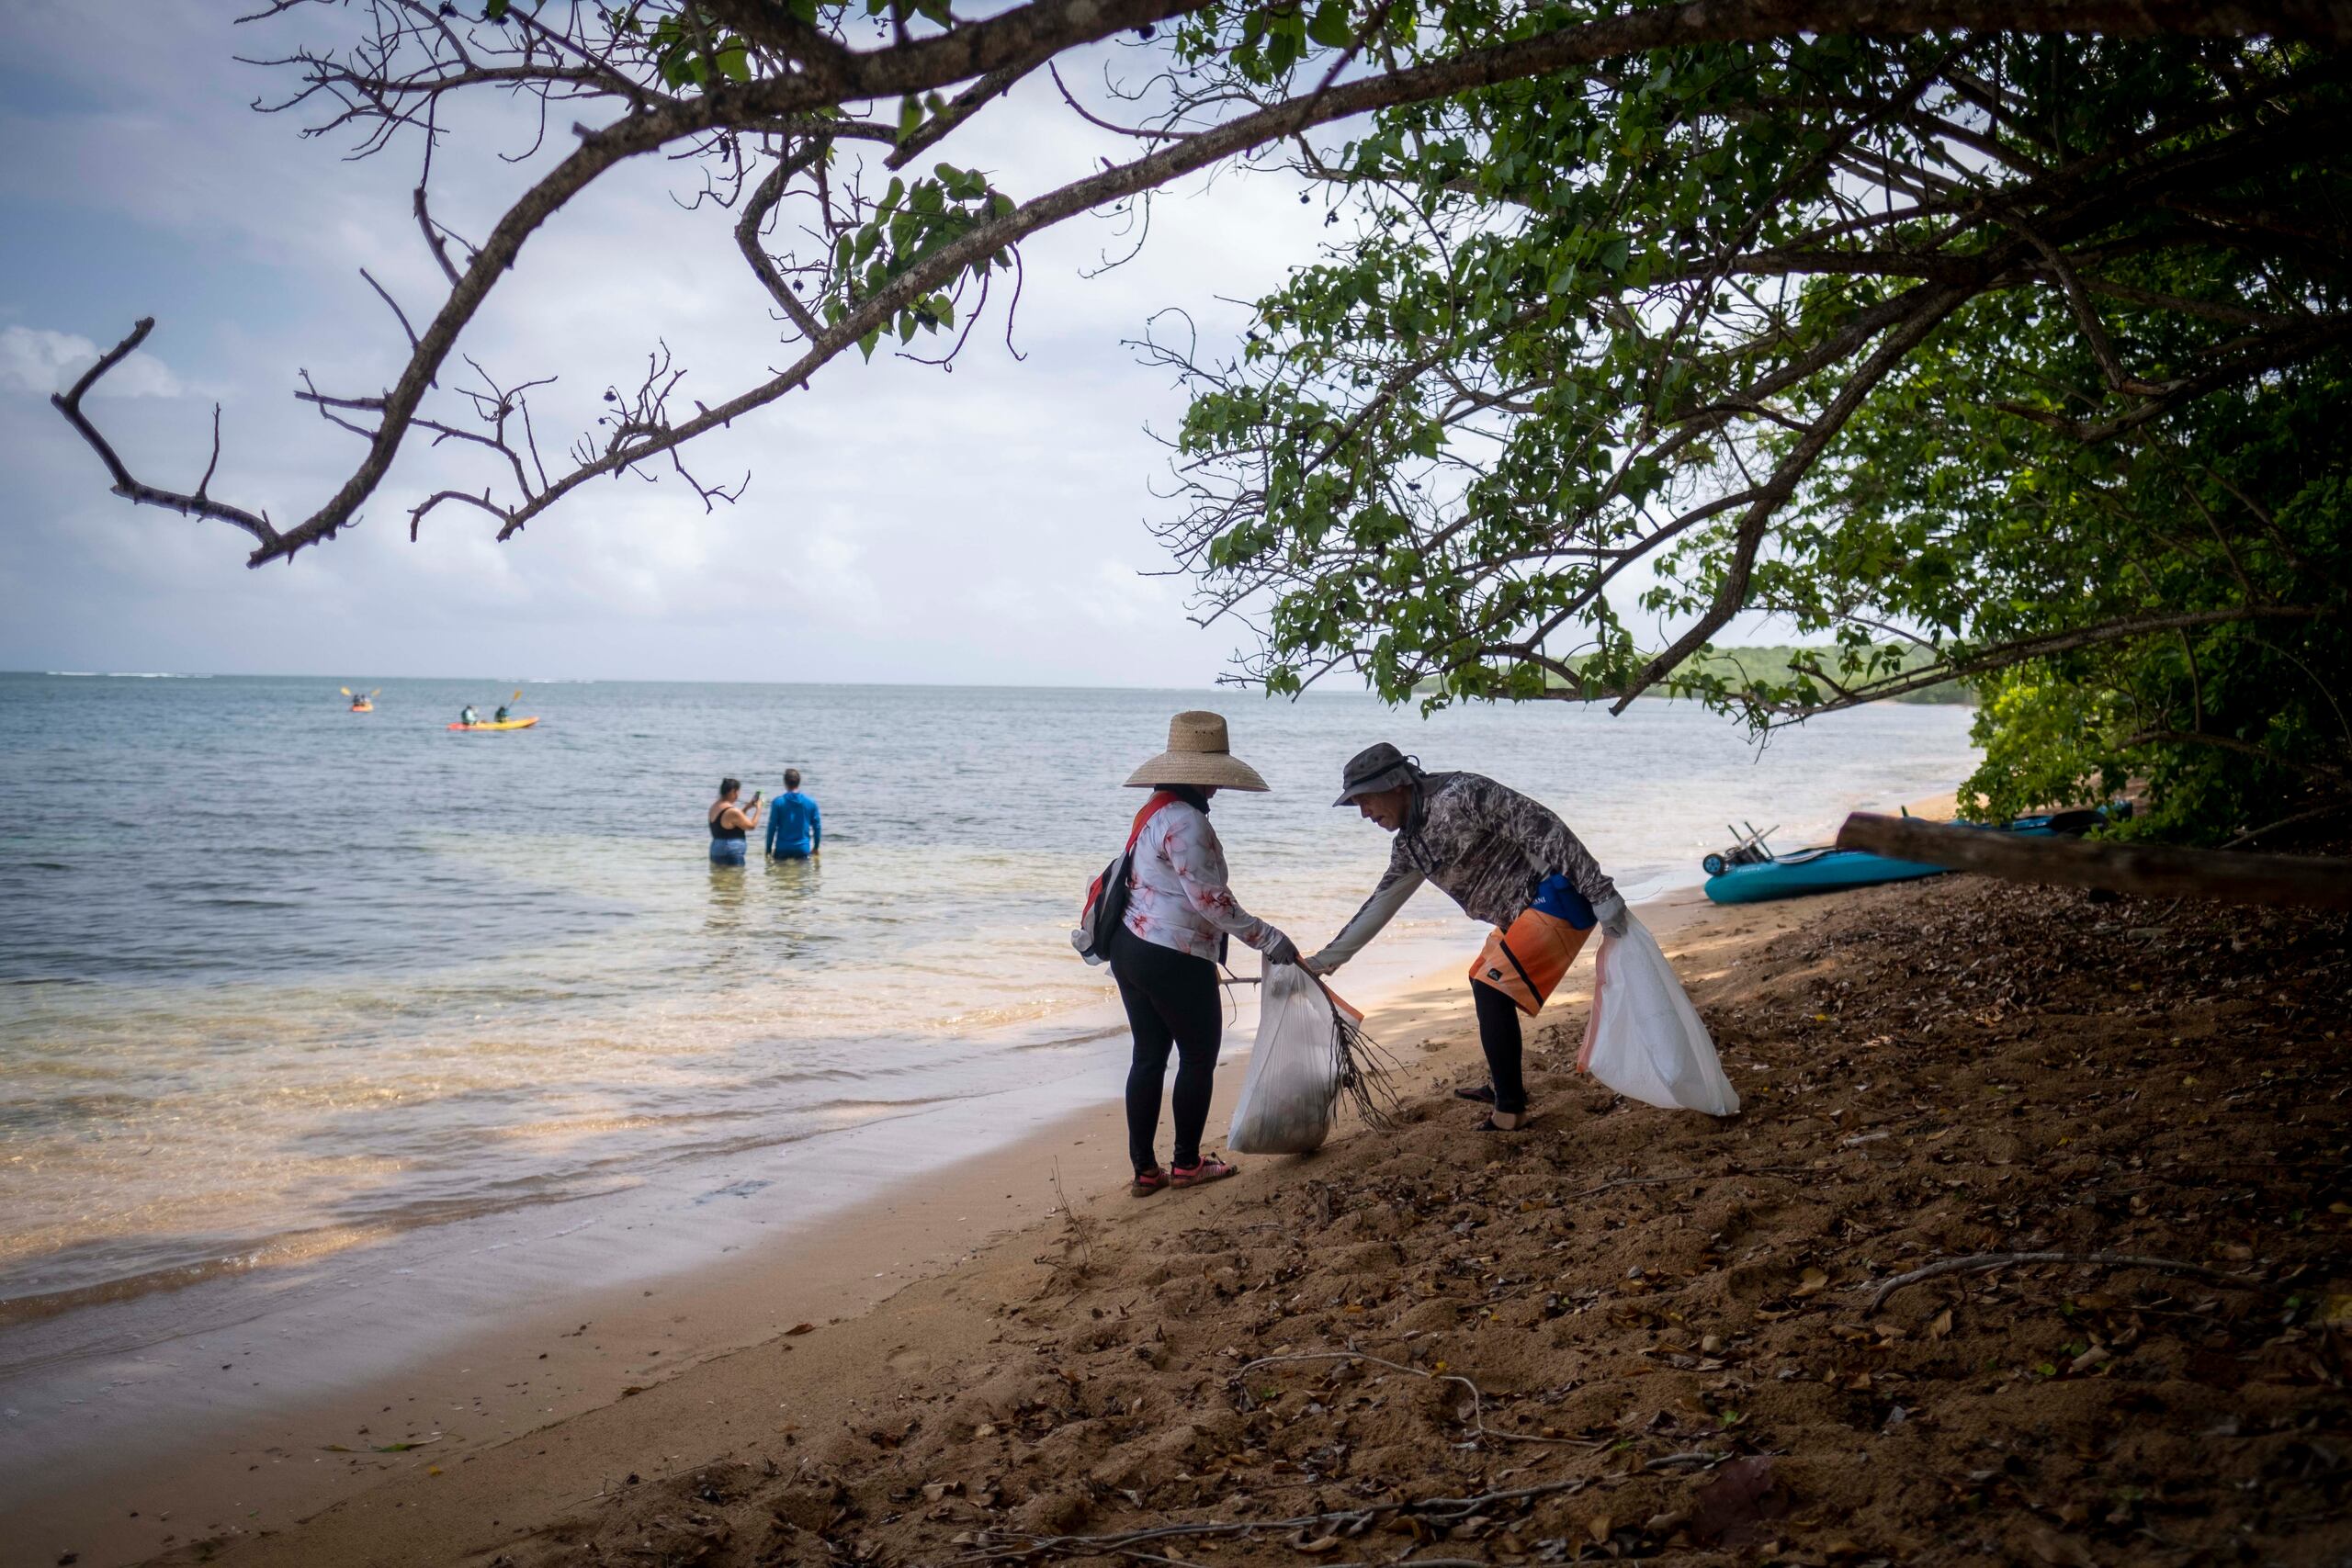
(1164, 954)
(467, 715)
(730, 823)
(796, 829)
(500, 717)
(1507, 860)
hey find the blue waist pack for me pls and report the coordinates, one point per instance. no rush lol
(1554, 896)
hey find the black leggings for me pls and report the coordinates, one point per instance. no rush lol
(1171, 1000)
(1498, 1037)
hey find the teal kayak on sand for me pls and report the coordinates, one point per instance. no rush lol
(1751, 873)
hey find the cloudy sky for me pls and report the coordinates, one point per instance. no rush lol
(903, 522)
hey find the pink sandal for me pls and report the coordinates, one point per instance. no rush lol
(1148, 1182)
(1210, 1168)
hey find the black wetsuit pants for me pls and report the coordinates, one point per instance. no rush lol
(1498, 1038)
(1171, 1000)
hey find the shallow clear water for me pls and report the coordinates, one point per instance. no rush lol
(275, 976)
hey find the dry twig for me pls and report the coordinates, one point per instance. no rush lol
(1441, 1511)
(1477, 1399)
(1976, 1262)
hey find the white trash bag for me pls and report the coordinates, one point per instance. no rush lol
(1293, 1085)
(1311, 1049)
(1644, 1038)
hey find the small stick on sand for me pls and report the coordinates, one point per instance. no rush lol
(1444, 1510)
(1477, 1400)
(1076, 1228)
(1791, 1172)
(1976, 1262)
(1699, 1457)
(1635, 1181)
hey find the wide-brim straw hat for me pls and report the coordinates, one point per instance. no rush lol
(1198, 753)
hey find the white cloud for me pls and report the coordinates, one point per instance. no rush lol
(35, 360)
(905, 523)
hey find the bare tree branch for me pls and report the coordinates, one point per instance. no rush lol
(191, 505)
(396, 76)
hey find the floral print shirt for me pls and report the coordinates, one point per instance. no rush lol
(1177, 896)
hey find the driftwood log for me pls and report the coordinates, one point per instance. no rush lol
(2150, 871)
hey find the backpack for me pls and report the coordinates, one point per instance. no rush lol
(1105, 909)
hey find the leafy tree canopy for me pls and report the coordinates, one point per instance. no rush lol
(2018, 359)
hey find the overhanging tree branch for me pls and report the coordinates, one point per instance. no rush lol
(193, 503)
(820, 75)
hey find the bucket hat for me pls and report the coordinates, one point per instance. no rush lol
(1377, 767)
(1198, 753)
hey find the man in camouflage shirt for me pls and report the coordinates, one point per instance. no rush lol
(1491, 849)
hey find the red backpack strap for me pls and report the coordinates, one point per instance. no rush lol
(1151, 809)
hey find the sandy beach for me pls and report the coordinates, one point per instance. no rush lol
(1623, 1331)
(262, 1414)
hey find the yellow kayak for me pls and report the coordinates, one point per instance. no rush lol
(496, 724)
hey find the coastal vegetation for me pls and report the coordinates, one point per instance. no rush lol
(1997, 344)
(1994, 359)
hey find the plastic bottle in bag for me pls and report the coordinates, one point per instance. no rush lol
(1644, 1038)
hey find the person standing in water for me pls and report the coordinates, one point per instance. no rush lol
(1164, 954)
(796, 828)
(1508, 861)
(730, 823)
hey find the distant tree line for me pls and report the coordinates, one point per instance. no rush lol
(1739, 667)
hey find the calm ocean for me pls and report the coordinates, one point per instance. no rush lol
(276, 978)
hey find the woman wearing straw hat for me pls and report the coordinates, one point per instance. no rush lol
(1164, 956)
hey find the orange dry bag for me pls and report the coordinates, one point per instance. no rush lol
(1525, 962)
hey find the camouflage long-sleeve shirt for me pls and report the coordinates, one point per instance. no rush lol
(1486, 846)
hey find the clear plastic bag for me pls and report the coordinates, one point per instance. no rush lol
(1644, 1038)
(1292, 1086)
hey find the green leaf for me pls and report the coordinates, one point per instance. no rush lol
(1331, 27)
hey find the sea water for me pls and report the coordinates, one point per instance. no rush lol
(277, 978)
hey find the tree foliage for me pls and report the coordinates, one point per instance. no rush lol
(2017, 359)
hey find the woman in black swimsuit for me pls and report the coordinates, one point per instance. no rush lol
(730, 823)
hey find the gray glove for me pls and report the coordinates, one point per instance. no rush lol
(1281, 950)
(1317, 964)
(1612, 915)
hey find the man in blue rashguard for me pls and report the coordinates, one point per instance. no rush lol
(795, 829)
